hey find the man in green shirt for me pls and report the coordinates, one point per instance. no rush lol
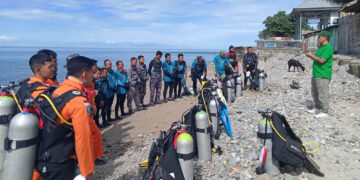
(323, 60)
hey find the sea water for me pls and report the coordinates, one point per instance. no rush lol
(14, 61)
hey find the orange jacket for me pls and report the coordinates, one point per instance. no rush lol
(97, 137)
(78, 110)
(52, 82)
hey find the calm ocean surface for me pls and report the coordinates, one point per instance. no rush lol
(14, 60)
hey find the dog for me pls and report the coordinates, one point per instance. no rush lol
(296, 64)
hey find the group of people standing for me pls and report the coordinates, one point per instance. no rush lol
(131, 84)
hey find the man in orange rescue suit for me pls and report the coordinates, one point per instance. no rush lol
(78, 110)
(44, 69)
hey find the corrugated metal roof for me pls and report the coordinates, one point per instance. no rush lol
(318, 4)
(353, 6)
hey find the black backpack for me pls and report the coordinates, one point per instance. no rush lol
(290, 152)
(167, 166)
(57, 142)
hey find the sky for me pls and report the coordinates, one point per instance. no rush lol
(200, 24)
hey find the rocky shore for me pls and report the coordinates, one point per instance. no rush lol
(128, 141)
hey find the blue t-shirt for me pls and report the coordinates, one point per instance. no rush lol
(220, 63)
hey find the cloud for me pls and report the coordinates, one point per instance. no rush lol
(6, 38)
(31, 14)
(111, 42)
(205, 23)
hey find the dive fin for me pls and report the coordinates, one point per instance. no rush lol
(312, 167)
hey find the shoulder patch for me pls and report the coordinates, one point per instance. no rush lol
(88, 108)
(76, 93)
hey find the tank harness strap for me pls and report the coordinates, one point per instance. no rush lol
(59, 102)
(265, 135)
(186, 156)
(19, 144)
(4, 119)
(33, 86)
(213, 114)
(207, 130)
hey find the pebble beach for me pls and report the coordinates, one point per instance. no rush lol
(127, 143)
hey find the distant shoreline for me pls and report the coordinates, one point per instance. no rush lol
(127, 48)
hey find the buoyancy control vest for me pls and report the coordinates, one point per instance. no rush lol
(198, 69)
(180, 67)
(156, 68)
(26, 90)
(57, 141)
(232, 59)
(250, 60)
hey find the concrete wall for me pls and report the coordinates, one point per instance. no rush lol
(349, 35)
(274, 44)
(264, 54)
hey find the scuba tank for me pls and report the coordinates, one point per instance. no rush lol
(232, 80)
(213, 110)
(202, 134)
(7, 111)
(270, 164)
(238, 88)
(261, 81)
(229, 91)
(20, 145)
(185, 151)
(248, 78)
(220, 96)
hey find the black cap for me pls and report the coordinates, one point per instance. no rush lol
(70, 57)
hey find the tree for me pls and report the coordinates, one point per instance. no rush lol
(280, 25)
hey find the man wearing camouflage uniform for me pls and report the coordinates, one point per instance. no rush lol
(134, 79)
(143, 79)
(155, 78)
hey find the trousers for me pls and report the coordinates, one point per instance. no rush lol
(120, 101)
(194, 80)
(133, 94)
(142, 90)
(170, 86)
(320, 93)
(107, 104)
(155, 85)
(177, 87)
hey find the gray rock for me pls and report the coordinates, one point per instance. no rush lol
(288, 177)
